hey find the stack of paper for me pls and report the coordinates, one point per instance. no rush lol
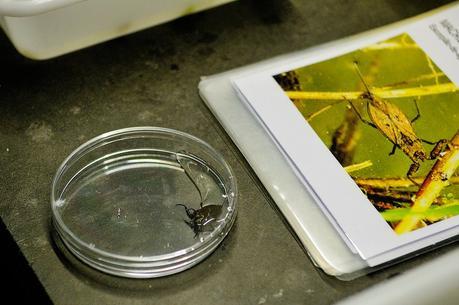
(370, 128)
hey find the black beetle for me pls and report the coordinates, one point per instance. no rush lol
(207, 214)
(202, 217)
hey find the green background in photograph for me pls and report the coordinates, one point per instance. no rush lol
(381, 67)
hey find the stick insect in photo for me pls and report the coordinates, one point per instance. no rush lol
(396, 127)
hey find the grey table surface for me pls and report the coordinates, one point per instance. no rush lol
(49, 108)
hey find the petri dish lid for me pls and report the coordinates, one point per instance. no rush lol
(143, 202)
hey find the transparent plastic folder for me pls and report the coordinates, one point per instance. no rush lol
(318, 236)
(297, 203)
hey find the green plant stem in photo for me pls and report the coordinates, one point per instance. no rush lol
(431, 214)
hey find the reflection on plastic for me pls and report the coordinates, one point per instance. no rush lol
(204, 218)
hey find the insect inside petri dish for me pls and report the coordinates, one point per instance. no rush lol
(207, 215)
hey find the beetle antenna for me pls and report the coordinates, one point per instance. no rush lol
(356, 66)
(179, 204)
(189, 211)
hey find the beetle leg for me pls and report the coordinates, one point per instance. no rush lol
(418, 115)
(413, 169)
(190, 224)
(182, 205)
(428, 142)
(196, 232)
(190, 212)
(439, 148)
(360, 116)
(197, 229)
(393, 150)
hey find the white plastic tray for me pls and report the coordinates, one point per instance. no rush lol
(41, 29)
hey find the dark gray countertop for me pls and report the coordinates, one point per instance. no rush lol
(150, 78)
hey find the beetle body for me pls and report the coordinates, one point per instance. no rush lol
(397, 128)
(202, 218)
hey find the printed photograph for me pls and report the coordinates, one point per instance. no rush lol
(390, 116)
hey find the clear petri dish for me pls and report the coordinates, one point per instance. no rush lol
(143, 202)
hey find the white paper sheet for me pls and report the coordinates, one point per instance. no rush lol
(374, 240)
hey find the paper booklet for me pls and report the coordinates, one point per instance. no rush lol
(381, 183)
(371, 129)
